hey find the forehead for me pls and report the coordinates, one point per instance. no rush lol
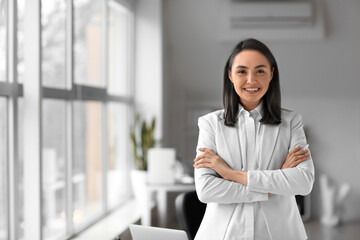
(250, 58)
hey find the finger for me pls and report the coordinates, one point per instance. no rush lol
(302, 159)
(204, 155)
(208, 150)
(294, 151)
(200, 164)
(200, 157)
(298, 155)
(201, 161)
(301, 152)
(197, 165)
(299, 161)
(294, 161)
(204, 149)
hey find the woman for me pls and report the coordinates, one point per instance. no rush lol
(252, 157)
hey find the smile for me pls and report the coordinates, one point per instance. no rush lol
(252, 89)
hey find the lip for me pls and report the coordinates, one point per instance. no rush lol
(252, 92)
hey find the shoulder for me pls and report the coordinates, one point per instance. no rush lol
(209, 121)
(212, 117)
(290, 116)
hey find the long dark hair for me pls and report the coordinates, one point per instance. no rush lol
(272, 98)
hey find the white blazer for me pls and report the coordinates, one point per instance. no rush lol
(281, 212)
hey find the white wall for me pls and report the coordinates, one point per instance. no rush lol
(320, 79)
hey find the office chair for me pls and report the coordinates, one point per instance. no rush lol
(189, 212)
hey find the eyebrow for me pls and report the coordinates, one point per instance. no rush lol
(241, 66)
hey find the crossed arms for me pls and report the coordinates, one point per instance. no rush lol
(216, 182)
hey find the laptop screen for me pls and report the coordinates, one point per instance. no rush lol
(139, 232)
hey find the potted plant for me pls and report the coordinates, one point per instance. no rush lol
(142, 139)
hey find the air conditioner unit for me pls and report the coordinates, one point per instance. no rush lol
(270, 19)
(258, 14)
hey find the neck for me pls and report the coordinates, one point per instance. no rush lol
(250, 106)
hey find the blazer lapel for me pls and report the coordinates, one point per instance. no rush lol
(268, 142)
(232, 145)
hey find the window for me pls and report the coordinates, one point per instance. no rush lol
(88, 169)
(53, 40)
(54, 168)
(3, 123)
(86, 105)
(88, 31)
(3, 164)
(20, 67)
(118, 144)
(3, 30)
(118, 53)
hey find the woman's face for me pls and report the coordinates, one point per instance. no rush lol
(251, 74)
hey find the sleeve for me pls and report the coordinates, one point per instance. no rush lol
(291, 181)
(211, 187)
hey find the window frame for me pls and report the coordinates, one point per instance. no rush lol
(83, 92)
(33, 97)
(11, 90)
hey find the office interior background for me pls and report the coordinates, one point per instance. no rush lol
(73, 73)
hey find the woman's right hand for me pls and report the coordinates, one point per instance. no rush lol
(295, 157)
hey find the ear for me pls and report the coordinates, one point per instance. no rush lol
(229, 75)
(272, 73)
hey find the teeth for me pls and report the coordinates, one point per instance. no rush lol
(252, 89)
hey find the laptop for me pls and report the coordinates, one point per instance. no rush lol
(139, 232)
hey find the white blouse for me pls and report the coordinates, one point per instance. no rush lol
(248, 218)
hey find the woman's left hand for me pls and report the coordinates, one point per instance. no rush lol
(209, 159)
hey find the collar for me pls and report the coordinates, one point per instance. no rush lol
(257, 110)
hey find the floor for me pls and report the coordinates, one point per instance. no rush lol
(109, 228)
(314, 229)
(348, 231)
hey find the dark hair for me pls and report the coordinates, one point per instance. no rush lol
(272, 98)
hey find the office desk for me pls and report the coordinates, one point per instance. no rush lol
(161, 191)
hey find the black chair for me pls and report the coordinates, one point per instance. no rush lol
(189, 212)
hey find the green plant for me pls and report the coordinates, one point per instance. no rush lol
(142, 139)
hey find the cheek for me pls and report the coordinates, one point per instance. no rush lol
(265, 88)
(237, 86)
(265, 82)
(238, 82)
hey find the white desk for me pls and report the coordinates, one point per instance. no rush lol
(161, 191)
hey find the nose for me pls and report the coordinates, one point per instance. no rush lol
(251, 78)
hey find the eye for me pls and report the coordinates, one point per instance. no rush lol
(241, 71)
(261, 71)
